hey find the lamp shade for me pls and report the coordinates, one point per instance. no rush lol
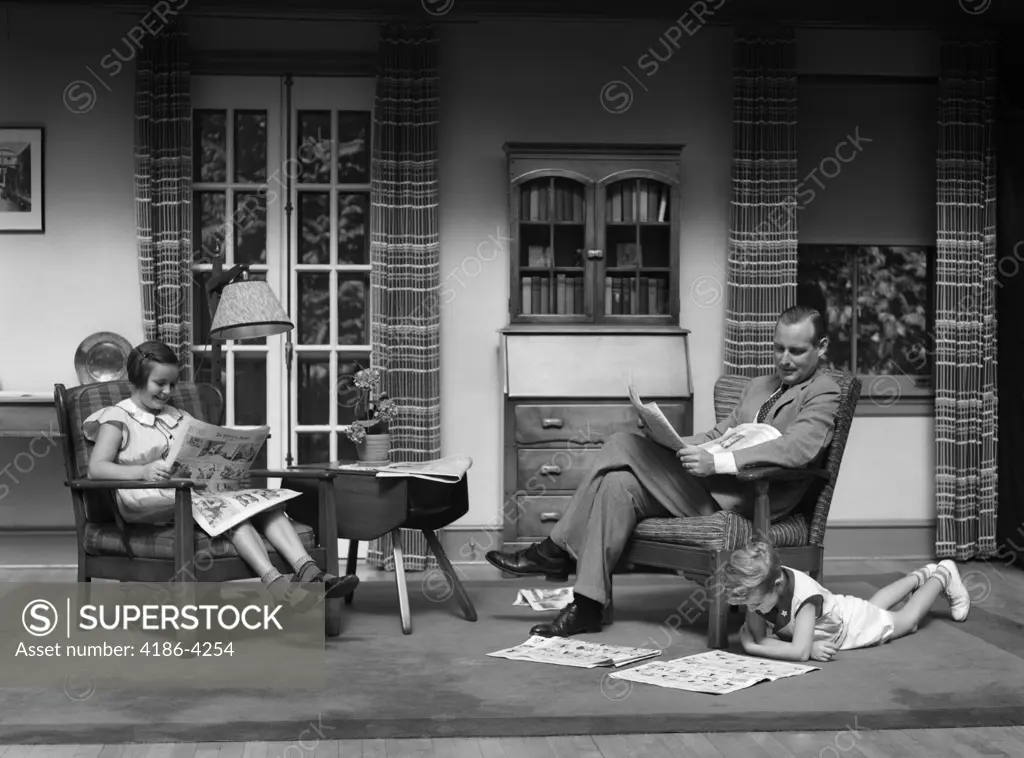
(249, 309)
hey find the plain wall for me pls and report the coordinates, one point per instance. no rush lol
(500, 82)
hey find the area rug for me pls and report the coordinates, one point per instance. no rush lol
(439, 681)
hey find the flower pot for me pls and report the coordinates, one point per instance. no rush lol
(374, 448)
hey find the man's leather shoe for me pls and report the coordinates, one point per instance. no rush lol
(529, 562)
(572, 620)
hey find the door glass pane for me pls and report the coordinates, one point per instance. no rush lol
(313, 447)
(210, 138)
(204, 370)
(347, 396)
(250, 389)
(352, 321)
(353, 211)
(250, 147)
(346, 448)
(314, 394)
(314, 309)
(353, 147)
(250, 228)
(200, 309)
(315, 223)
(830, 268)
(313, 147)
(208, 208)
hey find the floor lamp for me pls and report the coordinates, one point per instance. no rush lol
(241, 308)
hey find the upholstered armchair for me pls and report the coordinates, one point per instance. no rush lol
(700, 547)
(110, 548)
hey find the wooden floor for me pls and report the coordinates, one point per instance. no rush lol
(993, 586)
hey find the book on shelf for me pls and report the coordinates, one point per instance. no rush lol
(536, 294)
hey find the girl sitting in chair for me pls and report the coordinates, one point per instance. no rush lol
(132, 439)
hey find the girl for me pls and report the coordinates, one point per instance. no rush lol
(132, 439)
(808, 621)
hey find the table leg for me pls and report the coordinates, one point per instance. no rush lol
(403, 589)
(449, 571)
(350, 567)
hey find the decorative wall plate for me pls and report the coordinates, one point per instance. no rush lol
(102, 357)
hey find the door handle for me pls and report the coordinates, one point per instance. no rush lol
(552, 423)
(550, 469)
(550, 516)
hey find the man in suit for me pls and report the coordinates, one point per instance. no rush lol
(634, 478)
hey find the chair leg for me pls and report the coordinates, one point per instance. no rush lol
(403, 590)
(332, 620)
(350, 567)
(718, 622)
(449, 572)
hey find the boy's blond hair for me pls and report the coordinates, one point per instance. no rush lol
(751, 572)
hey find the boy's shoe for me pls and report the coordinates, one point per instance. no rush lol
(956, 592)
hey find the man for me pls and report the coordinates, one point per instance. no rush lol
(635, 478)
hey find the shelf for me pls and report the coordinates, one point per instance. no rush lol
(592, 328)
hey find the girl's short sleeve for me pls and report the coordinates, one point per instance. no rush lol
(118, 417)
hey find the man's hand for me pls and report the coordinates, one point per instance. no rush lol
(696, 460)
(824, 651)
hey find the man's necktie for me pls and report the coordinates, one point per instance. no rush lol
(769, 403)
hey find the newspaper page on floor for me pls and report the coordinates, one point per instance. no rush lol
(715, 672)
(563, 651)
(543, 599)
(217, 459)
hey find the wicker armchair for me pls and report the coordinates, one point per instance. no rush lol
(699, 548)
(110, 548)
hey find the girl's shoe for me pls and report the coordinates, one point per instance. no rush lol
(338, 586)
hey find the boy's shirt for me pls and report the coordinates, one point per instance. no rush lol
(797, 591)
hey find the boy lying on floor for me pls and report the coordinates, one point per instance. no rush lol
(808, 621)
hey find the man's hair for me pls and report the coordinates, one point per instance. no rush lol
(751, 572)
(798, 313)
(142, 359)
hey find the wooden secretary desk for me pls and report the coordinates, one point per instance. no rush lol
(594, 302)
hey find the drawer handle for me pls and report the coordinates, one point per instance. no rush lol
(550, 516)
(550, 469)
(552, 423)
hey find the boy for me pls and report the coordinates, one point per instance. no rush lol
(807, 621)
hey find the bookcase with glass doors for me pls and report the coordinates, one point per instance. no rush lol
(593, 303)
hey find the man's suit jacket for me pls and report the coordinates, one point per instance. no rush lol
(805, 414)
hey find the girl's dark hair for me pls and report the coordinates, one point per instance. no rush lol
(144, 356)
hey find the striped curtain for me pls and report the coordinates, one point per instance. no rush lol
(966, 419)
(405, 276)
(763, 231)
(163, 191)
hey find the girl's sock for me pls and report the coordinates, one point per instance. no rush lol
(334, 586)
(923, 574)
(285, 592)
(954, 590)
(306, 570)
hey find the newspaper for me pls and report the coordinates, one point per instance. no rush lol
(714, 672)
(217, 460)
(563, 651)
(545, 599)
(659, 428)
(737, 438)
(450, 469)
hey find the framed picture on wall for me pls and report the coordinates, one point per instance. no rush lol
(21, 179)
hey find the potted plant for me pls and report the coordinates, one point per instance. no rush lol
(373, 410)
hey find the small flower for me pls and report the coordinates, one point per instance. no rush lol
(356, 433)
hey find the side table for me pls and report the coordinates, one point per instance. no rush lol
(369, 507)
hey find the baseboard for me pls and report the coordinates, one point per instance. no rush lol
(845, 540)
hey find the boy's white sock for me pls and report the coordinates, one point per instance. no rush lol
(923, 574)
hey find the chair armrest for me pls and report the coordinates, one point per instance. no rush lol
(114, 484)
(270, 473)
(779, 473)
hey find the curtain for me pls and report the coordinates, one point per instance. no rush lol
(163, 191)
(966, 438)
(405, 256)
(763, 232)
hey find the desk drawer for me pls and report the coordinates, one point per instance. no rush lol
(538, 515)
(545, 470)
(585, 424)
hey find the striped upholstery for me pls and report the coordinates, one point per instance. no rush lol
(724, 530)
(727, 394)
(155, 541)
(86, 399)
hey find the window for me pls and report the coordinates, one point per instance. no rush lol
(866, 205)
(878, 304)
(242, 167)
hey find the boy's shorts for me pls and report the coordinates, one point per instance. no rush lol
(866, 625)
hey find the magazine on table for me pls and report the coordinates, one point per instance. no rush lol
(545, 599)
(660, 429)
(449, 469)
(563, 651)
(714, 672)
(217, 460)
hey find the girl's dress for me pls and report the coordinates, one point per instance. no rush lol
(145, 437)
